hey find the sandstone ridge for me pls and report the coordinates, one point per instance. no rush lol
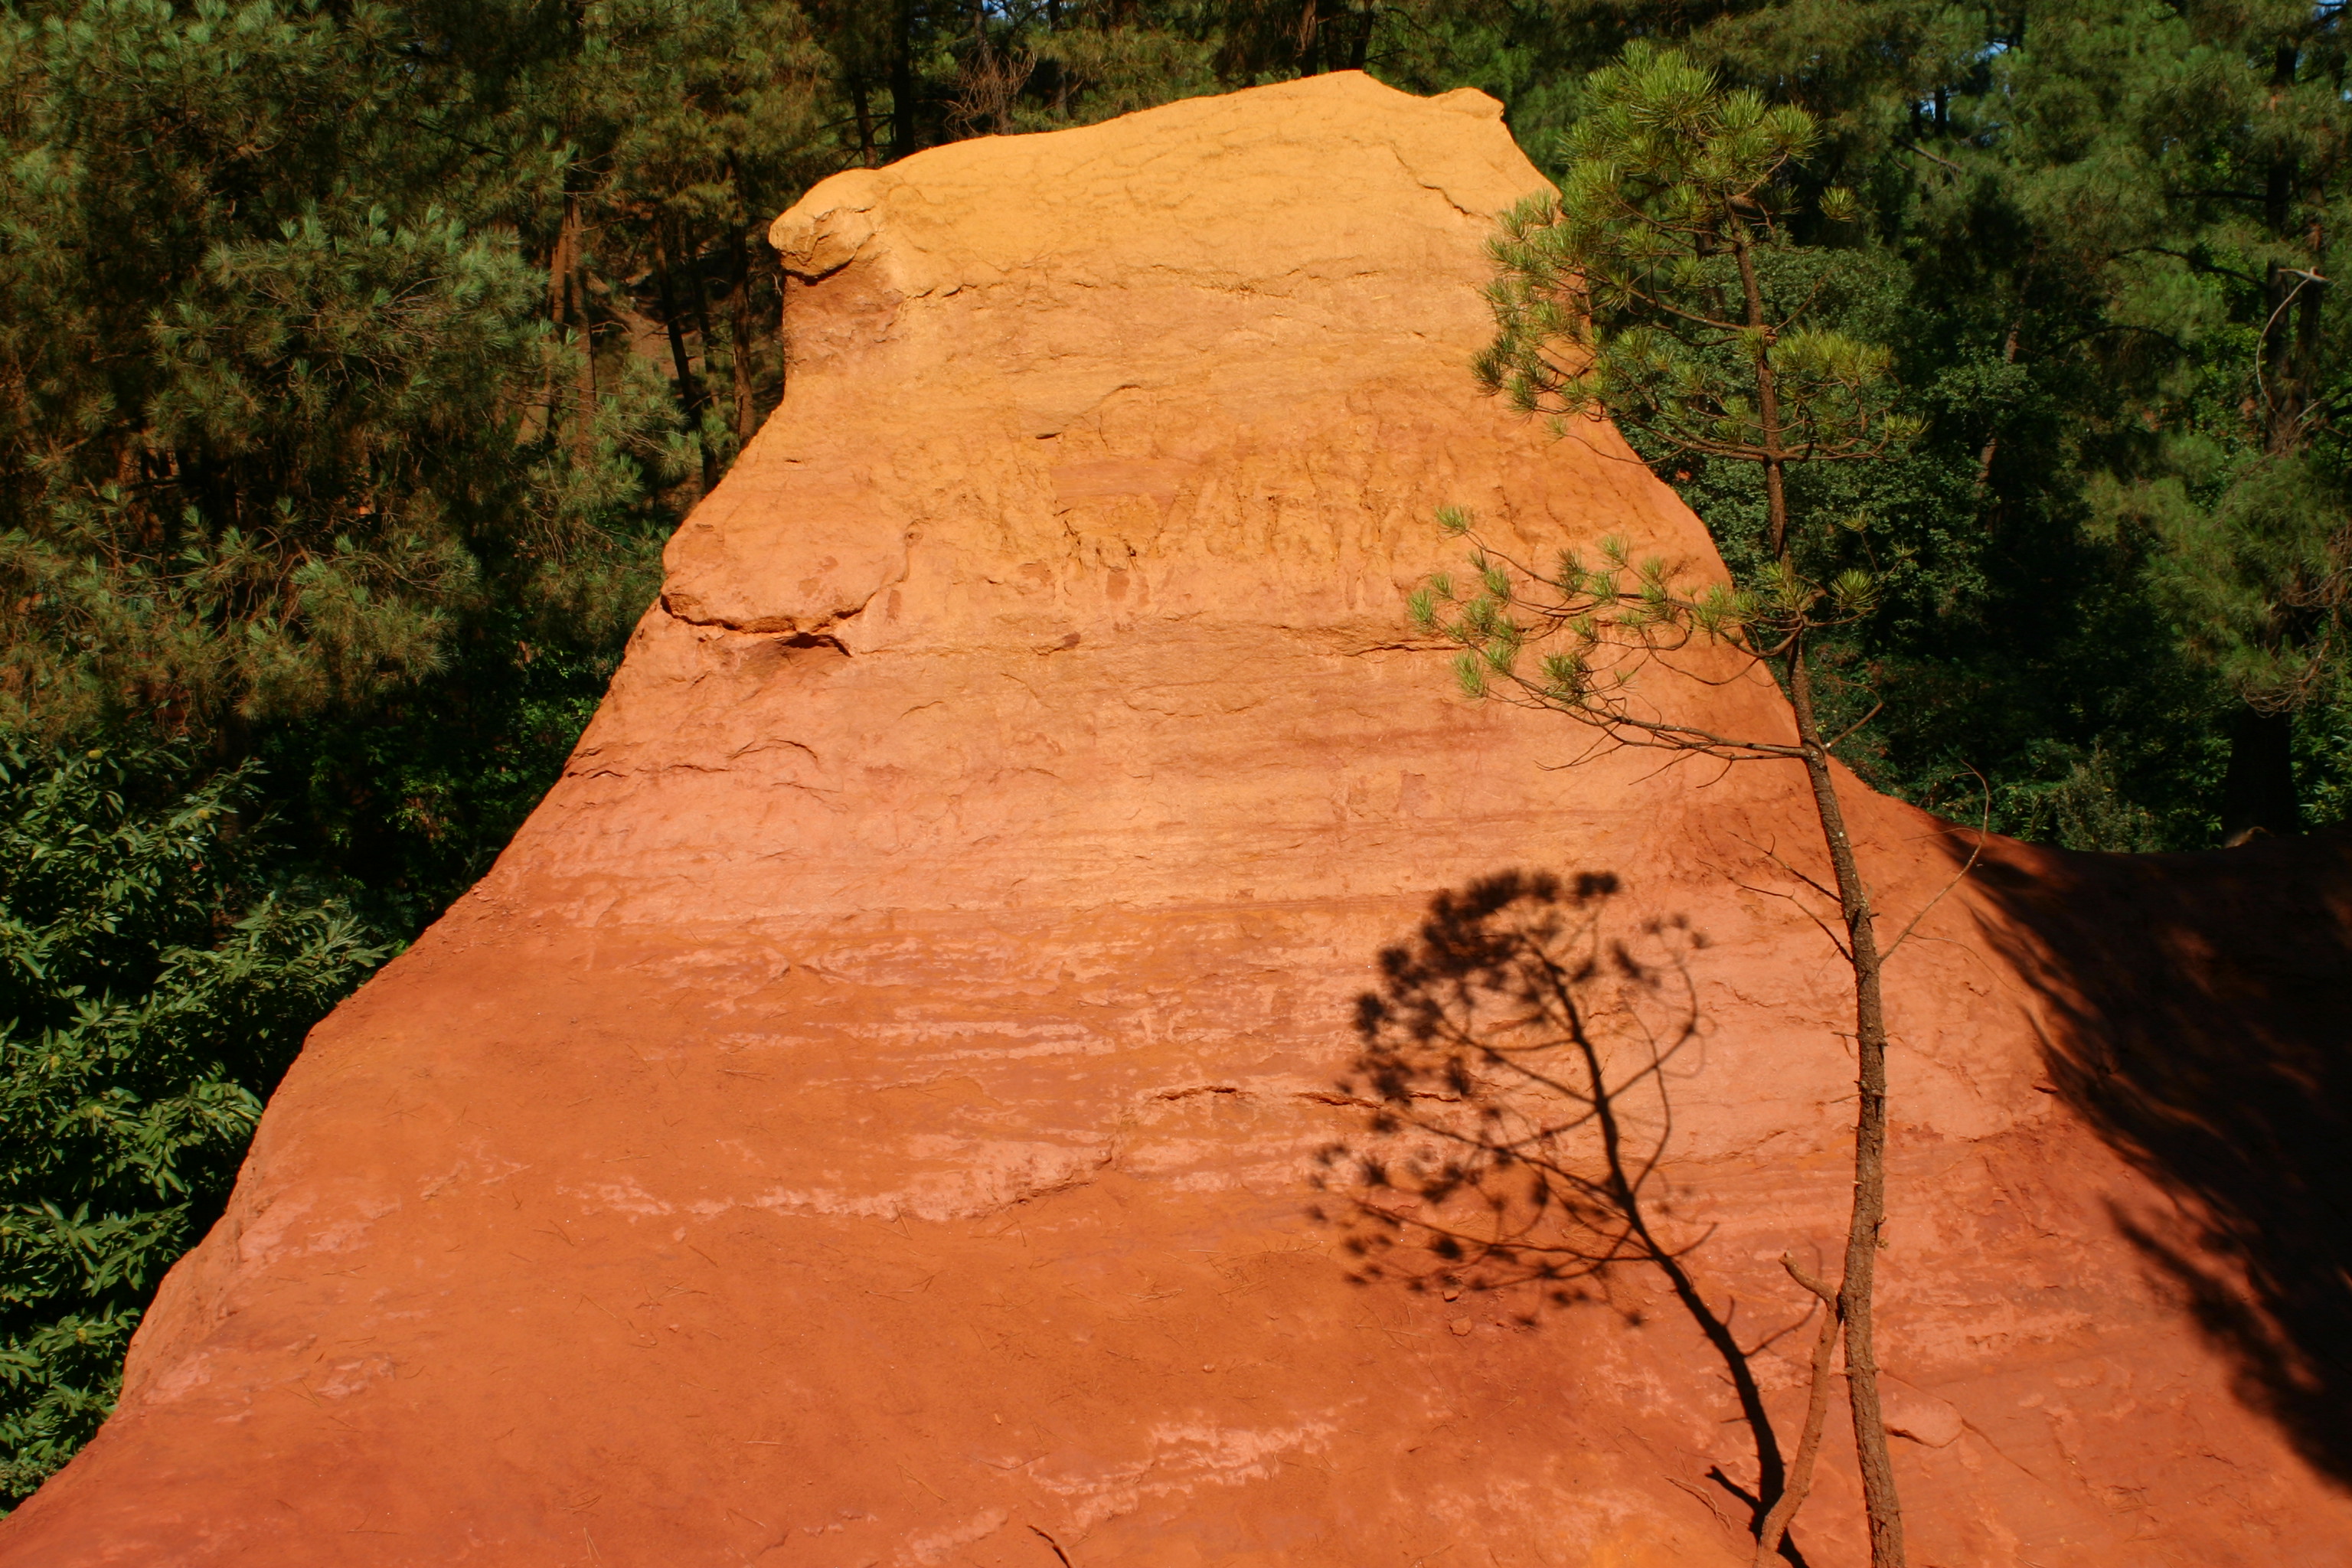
(866, 1117)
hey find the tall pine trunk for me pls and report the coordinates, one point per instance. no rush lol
(865, 114)
(1856, 1288)
(902, 81)
(741, 336)
(2258, 793)
(1991, 447)
(567, 306)
(691, 398)
(1768, 401)
(572, 294)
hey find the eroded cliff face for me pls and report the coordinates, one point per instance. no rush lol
(866, 1116)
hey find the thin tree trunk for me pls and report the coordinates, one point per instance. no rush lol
(1310, 38)
(2294, 294)
(572, 308)
(902, 81)
(1768, 396)
(1992, 441)
(559, 267)
(559, 308)
(2288, 354)
(2278, 180)
(583, 428)
(740, 336)
(2258, 790)
(865, 111)
(986, 77)
(566, 305)
(1775, 1527)
(1855, 1289)
(690, 395)
(1061, 71)
(702, 314)
(2258, 795)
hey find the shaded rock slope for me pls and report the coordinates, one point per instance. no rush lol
(866, 1118)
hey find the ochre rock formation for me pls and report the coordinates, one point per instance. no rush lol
(867, 1117)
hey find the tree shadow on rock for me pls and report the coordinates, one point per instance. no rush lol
(2199, 1014)
(1516, 1065)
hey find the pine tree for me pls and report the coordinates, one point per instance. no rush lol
(2117, 227)
(1661, 288)
(302, 453)
(2057, 587)
(156, 977)
(2224, 153)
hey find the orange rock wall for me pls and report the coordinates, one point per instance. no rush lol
(865, 1118)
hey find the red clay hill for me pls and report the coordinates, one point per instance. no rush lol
(866, 1116)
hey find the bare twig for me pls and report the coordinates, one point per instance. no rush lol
(1984, 831)
(1769, 1535)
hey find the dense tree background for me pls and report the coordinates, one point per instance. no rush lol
(355, 360)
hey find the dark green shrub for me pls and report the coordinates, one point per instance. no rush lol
(153, 987)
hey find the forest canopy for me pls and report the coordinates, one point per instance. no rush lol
(356, 359)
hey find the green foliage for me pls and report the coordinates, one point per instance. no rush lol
(1661, 288)
(2140, 207)
(410, 799)
(153, 985)
(2086, 247)
(1604, 622)
(300, 457)
(2253, 578)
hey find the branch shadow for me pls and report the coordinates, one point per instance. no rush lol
(1515, 1067)
(2198, 1018)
